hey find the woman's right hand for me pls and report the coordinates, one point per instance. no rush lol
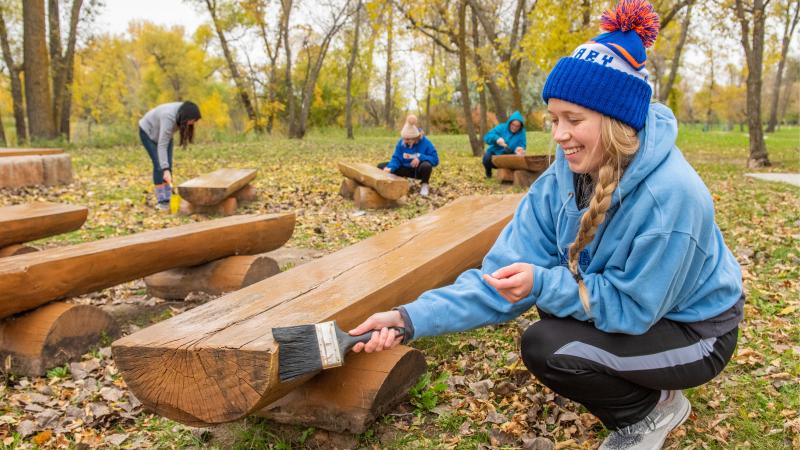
(167, 176)
(386, 169)
(501, 142)
(382, 337)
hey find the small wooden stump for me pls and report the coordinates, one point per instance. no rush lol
(367, 198)
(17, 249)
(351, 397)
(215, 278)
(504, 175)
(35, 170)
(52, 335)
(348, 188)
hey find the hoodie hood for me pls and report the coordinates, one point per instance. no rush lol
(516, 115)
(656, 141)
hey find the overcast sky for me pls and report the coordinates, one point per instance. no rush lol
(116, 14)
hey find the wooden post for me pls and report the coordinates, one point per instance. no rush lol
(215, 278)
(52, 335)
(350, 398)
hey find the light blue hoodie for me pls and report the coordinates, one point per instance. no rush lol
(658, 254)
(513, 140)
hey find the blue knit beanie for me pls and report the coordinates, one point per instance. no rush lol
(607, 74)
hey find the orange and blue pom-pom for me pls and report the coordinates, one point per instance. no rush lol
(636, 15)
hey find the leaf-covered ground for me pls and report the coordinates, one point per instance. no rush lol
(477, 393)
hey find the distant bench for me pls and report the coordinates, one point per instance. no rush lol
(217, 193)
(29, 151)
(31, 221)
(370, 187)
(34, 169)
(521, 170)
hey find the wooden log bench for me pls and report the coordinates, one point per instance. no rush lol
(31, 221)
(35, 170)
(52, 335)
(217, 193)
(29, 151)
(31, 280)
(214, 278)
(521, 170)
(218, 362)
(370, 187)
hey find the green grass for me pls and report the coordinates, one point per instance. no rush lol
(751, 405)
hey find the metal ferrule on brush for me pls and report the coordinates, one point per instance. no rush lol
(329, 353)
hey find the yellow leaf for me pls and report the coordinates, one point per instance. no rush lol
(42, 437)
(788, 310)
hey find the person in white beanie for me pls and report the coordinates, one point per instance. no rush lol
(414, 156)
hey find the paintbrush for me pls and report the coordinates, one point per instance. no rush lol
(311, 348)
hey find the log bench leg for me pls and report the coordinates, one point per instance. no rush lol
(17, 249)
(215, 278)
(225, 208)
(525, 178)
(350, 398)
(367, 198)
(348, 188)
(52, 335)
(504, 175)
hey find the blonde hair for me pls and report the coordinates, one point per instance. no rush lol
(619, 143)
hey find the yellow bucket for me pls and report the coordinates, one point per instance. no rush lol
(174, 201)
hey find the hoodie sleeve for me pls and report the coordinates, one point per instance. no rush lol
(167, 127)
(491, 137)
(429, 153)
(470, 302)
(627, 299)
(397, 157)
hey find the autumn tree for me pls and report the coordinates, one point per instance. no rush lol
(37, 68)
(789, 12)
(11, 55)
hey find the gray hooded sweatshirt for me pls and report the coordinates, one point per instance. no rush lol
(159, 124)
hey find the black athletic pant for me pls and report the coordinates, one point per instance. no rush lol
(619, 377)
(421, 172)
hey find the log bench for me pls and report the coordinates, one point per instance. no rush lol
(35, 170)
(218, 362)
(370, 187)
(31, 221)
(217, 193)
(29, 151)
(31, 280)
(520, 170)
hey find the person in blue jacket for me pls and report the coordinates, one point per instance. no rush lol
(616, 246)
(505, 139)
(414, 156)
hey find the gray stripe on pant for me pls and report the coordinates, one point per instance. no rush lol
(668, 358)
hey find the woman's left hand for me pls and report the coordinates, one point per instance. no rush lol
(513, 282)
(415, 163)
(519, 151)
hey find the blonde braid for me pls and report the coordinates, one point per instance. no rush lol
(620, 143)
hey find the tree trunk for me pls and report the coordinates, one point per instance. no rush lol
(676, 58)
(348, 115)
(476, 43)
(788, 31)
(56, 62)
(388, 81)
(241, 89)
(272, 53)
(3, 133)
(474, 142)
(37, 70)
(16, 84)
(430, 87)
(286, 9)
(754, 52)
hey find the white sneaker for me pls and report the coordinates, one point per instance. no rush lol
(424, 190)
(651, 432)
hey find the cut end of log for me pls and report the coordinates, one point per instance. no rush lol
(52, 335)
(226, 384)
